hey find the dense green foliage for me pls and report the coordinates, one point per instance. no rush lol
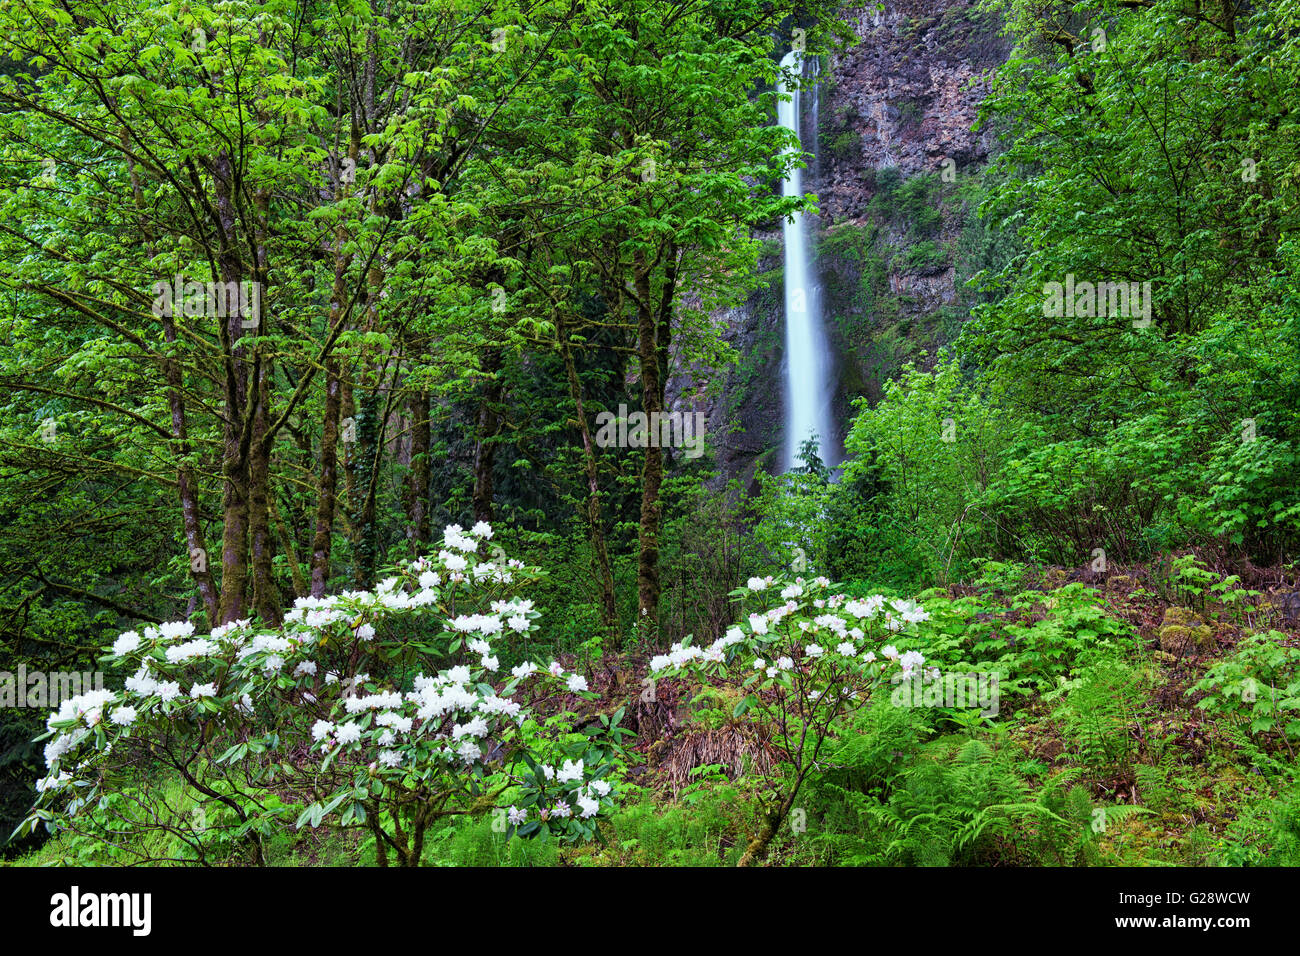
(1050, 436)
(472, 229)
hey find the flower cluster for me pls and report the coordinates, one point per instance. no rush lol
(820, 643)
(307, 680)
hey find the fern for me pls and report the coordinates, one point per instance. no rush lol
(1099, 712)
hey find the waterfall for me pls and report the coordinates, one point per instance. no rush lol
(807, 382)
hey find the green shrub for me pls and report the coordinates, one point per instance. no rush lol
(925, 257)
(847, 145)
(1258, 685)
(933, 442)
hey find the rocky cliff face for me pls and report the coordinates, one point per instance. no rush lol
(894, 145)
(905, 96)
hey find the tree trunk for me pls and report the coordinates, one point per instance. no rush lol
(595, 520)
(266, 594)
(485, 451)
(186, 482)
(417, 494)
(756, 851)
(327, 496)
(300, 586)
(652, 471)
(234, 465)
(365, 461)
(187, 486)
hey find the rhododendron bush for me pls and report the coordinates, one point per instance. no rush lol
(385, 710)
(801, 660)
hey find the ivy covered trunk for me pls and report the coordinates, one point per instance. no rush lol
(237, 426)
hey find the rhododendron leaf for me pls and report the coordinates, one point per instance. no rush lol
(234, 753)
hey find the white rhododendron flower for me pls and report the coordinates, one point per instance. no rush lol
(474, 728)
(57, 747)
(181, 652)
(230, 629)
(175, 629)
(126, 643)
(470, 751)
(909, 612)
(499, 705)
(348, 733)
(142, 683)
(454, 537)
(395, 721)
(443, 733)
(53, 783)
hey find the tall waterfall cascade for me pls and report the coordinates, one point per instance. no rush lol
(808, 363)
